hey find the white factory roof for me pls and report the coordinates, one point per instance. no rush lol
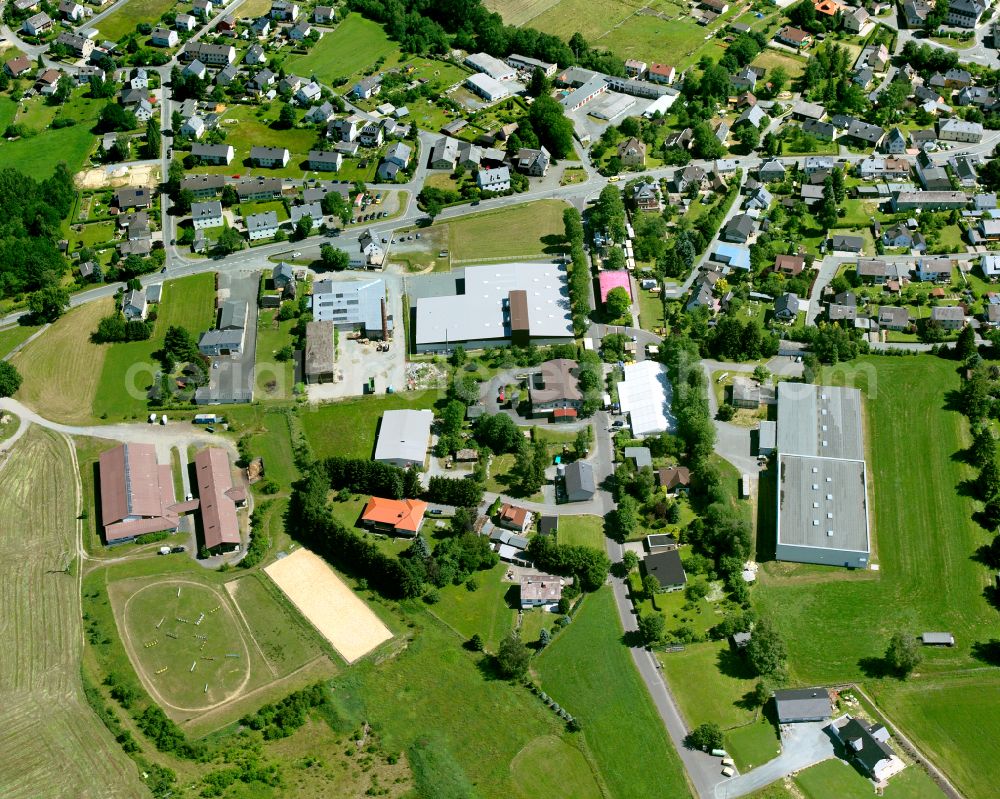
(479, 313)
(404, 435)
(645, 395)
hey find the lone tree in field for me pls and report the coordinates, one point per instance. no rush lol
(902, 654)
(513, 657)
(10, 380)
(766, 650)
(705, 737)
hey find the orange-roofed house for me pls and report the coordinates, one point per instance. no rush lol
(827, 7)
(397, 516)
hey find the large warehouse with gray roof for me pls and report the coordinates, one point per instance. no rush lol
(822, 488)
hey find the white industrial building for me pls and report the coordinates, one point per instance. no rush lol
(352, 305)
(403, 437)
(486, 87)
(645, 395)
(488, 65)
(822, 490)
(499, 304)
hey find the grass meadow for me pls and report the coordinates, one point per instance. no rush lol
(52, 743)
(124, 19)
(188, 302)
(586, 531)
(37, 153)
(354, 47)
(590, 672)
(531, 230)
(13, 336)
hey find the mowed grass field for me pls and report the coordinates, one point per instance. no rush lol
(349, 428)
(464, 733)
(129, 368)
(13, 336)
(928, 580)
(585, 531)
(487, 611)
(38, 153)
(519, 12)
(654, 39)
(52, 744)
(250, 129)
(590, 672)
(62, 368)
(771, 59)
(571, 16)
(835, 779)
(353, 47)
(124, 19)
(532, 230)
(182, 635)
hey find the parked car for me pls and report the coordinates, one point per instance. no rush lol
(176, 550)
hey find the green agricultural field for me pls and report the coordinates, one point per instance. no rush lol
(129, 368)
(124, 19)
(835, 779)
(921, 515)
(531, 230)
(586, 531)
(40, 660)
(458, 726)
(349, 428)
(181, 635)
(771, 59)
(588, 671)
(519, 12)
(654, 39)
(62, 368)
(488, 611)
(354, 47)
(13, 336)
(570, 16)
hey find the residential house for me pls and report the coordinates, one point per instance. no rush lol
(216, 55)
(255, 55)
(892, 318)
(324, 15)
(196, 69)
(301, 32)
(134, 305)
(738, 229)
(579, 481)
(513, 517)
(308, 93)
(760, 199)
(554, 386)
(202, 8)
(690, 175)
(916, 12)
(787, 307)
(646, 196)
(667, 568)
(493, 180)
(262, 226)
(746, 79)
(894, 142)
(163, 37)
(674, 480)
(402, 517)
(867, 746)
(263, 80)
(193, 127)
(753, 114)
(900, 235)
(541, 590)
(790, 265)
(71, 11)
(634, 68)
(991, 315)
(325, 160)
(799, 705)
(320, 114)
(269, 156)
(370, 135)
(37, 24)
(870, 270)
(131, 198)
(794, 37)
(206, 214)
(203, 186)
(366, 88)
(261, 27)
(949, 317)
(934, 270)
(931, 176)
(213, 153)
(990, 267)
(16, 67)
(772, 170)
(818, 163)
(532, 162)
(661, 73)
(185, 23)
(964, 13)
(954, 129)
(79, 45)
(632, 152)
(803, 111)
(975, 95)
(864, 133)
(986, 230)
(284, 10)
(844, 243)
(855, 19)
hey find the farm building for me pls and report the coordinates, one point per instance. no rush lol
(802, 704)
(822, 491)
(218, 499)
(403, 437)
(137, 493)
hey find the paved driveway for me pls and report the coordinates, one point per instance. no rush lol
(802, 745)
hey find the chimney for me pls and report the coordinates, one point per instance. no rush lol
(385, 322)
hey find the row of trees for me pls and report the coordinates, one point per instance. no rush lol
(579, 279)
(364, 476)
(588, 566)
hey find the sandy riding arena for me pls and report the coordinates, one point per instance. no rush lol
(333, 608)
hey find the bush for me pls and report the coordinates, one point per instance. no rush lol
(705, 737)
(150, 538)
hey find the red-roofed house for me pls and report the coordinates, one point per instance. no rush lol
(398, 516)
(794, 37)
(514, 518)
(662, 73)
(219, 499)
(137, 493)
(612, 280)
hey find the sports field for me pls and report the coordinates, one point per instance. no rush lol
(588, 671)
(185, 643)
(51, 743)
(531, 230)
(353, 47)
(928, 579)
(62, 369)
(326, 601)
